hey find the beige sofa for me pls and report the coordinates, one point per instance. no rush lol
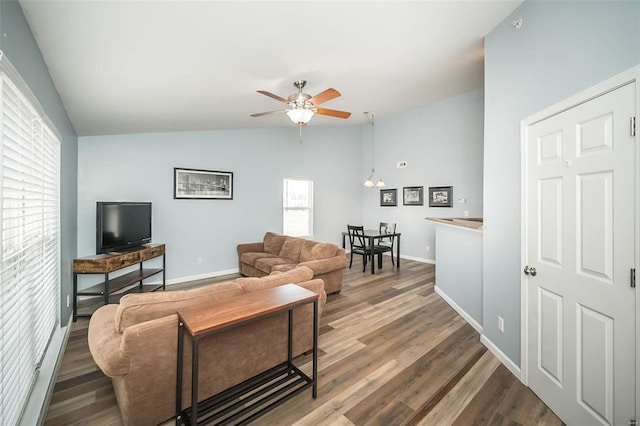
(282, 253)
(135, 343)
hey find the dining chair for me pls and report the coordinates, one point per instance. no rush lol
(359, 246)
(385, 244)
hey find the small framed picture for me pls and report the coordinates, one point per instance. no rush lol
(413, 196)
(389, 197)
(202, 184)
(441, 196)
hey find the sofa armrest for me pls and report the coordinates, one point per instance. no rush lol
(322, 266)
(248, 248)
(317, 286)
(158, 337)
(105, 342)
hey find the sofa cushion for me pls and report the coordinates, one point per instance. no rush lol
(137, 308)
(312, 250)
(291, 249)
(251, 257)
(278, 269)
(273, 243)
(265, 264)
(295, 276)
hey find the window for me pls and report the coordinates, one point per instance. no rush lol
(297, 215)
(29, 242)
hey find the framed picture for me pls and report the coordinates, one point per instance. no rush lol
(413, 196)
(441, 196)
(202, 184)
(388, 197)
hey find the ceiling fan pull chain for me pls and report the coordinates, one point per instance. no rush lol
(300, 126)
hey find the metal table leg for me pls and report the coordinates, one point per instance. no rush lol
(194, 380)
(373, 266)
(179, 373)
(315, 349)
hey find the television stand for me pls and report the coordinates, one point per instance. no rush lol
(125, 250)
(112, 289)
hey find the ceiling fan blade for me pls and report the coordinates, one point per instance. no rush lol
(271, 95)
(260, 114)
(325, 96)
(332, 112)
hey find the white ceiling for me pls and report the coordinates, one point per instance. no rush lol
(161, 66)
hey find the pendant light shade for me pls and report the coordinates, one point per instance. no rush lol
(369, 183)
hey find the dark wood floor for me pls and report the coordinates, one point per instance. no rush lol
(392, 352)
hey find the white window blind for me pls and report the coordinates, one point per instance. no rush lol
(297, 216)
(29, 246)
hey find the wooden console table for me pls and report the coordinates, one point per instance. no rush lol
(246, 401)
(109, 262)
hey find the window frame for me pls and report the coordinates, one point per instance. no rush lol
(286, 208)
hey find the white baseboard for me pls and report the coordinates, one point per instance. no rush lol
(404, 256)
(419, 259)
(473, 323)
(38, 404)
(511, 366)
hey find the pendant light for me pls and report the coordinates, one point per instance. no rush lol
(370, 182)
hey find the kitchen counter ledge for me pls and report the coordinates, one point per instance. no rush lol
(465, 222)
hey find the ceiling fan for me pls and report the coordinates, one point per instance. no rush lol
(302, 107)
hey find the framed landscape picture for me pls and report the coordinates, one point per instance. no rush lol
(202, 184)
(389, 197)
(413, 196)
(441, 196)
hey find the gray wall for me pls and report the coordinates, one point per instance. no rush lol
(140, 168)
(459, 268)
(443, 146)
(561, 49)
(441, 142)
(18, 44)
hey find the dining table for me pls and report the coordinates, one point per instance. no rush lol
(372, 235)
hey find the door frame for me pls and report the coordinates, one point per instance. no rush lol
(631, 76)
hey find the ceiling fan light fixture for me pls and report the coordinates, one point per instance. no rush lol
(380, 183)
(369, 182)
(300, 115)
(301, 107)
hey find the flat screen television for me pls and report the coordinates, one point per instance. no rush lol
(121, 226)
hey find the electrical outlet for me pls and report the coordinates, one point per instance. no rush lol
(67, 300)
(466, 213)
(500, 324)
(428, 248)
(199, 261)
(401, 164)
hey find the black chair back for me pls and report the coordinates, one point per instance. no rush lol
(356, 236)
(387, 228)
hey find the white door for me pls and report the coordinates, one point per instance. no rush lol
(580, 195)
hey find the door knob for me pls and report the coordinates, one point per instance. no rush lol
(530, 271)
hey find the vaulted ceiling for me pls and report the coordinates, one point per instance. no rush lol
(161, 66)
